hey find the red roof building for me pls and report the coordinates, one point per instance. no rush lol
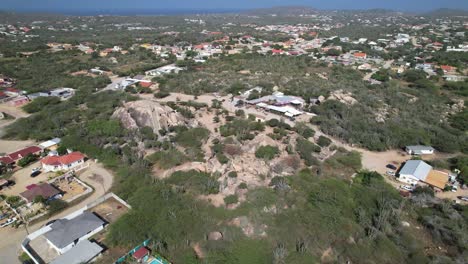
(447, 68)
(145, 84)
(65, 162)
(45, 190)
(140, 253)
(276, 51)
(19, 154)
(6, 160)
(360, 55)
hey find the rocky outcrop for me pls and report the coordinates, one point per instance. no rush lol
(137, 114)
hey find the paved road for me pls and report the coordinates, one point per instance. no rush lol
(10, 238)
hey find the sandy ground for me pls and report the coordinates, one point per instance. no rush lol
(10, 248)
(12, 111)
(23, 178)
(7, 146)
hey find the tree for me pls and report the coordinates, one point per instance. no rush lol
(30, 158)
(62, 150)
(324, 141)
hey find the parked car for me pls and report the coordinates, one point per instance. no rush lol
(463, 198)
(391, 166)
(406, 188)
(35, 169)
(34, 174)
(391, 173)
(8, 222)
(454, 188)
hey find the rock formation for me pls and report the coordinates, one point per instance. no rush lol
(137, 114)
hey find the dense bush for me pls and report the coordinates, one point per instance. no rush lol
(231, 199)
(194, 181)
(266, 152)
(305, 149)
(323, 141)
(37, 104)
(168, 159)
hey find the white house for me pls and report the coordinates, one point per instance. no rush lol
(414, 171)
(419, 150)
(62, 163)
(65, 233)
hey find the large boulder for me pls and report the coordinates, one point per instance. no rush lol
(137, 114)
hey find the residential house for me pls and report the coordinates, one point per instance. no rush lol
(415, 171)
(360, 55)
(19, 101)
(19, 154)
(44, 190)
(62, 163)
(419, 150)
(141, 254)
(84, 252)
(454, 78)
(50, 144)
(65, 233)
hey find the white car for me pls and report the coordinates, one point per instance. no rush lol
(391, 173)
(454, 188)
(35, 169)
(406, 188)
(9, 222)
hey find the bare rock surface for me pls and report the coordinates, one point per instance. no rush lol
(141, 113)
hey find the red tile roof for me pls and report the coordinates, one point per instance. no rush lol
(143, 251)
(360, 54)
(63, 160)
(146, 84)
(6, 160)
(24, 152)
(447, 67)
(45, 190)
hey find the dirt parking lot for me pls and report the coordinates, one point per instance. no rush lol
(22, 178)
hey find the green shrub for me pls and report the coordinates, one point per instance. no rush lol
(223, 159)
(30, 158)
(161, 94)
(266, 152)
(168, 159)
(324, 141)
(232, 174)
(242, 185)
(305, 149)
(231, 199)
(195, 181)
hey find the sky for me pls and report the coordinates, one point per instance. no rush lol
(70, 5)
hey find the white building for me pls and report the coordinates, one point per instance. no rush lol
(414, 171)
(419, 150)
(65, 233)
(62, 163)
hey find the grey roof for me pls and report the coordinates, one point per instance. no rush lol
(65, 231)
(417, 168)
(83, 252)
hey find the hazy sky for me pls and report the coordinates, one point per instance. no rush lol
(44, 5)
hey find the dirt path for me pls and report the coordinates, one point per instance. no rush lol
(96, 176)
(12, 111)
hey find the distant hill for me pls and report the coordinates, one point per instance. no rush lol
(446, 12)
(283, 11)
